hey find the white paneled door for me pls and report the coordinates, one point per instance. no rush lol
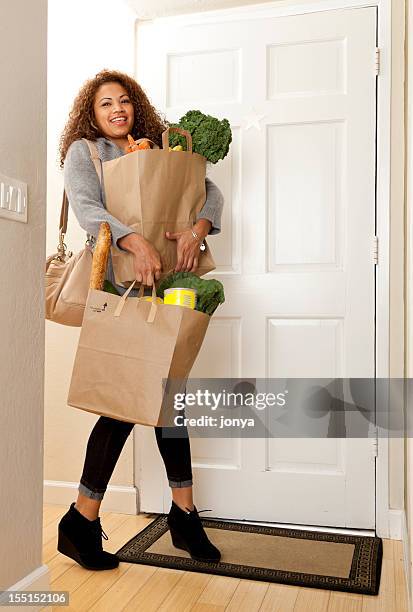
(296, 250)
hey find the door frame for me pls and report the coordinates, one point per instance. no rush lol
(388, 521)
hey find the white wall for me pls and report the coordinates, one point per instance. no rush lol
(84, 37)
(22, 255)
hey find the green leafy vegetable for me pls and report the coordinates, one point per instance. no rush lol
(210, 293)
(107, 286)
(210, 136)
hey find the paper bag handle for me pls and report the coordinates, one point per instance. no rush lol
(154, 306)
(165, 138)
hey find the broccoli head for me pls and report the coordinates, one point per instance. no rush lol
(210, 136)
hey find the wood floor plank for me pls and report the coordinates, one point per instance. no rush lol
(345, 602)
(399, 577)
(388, 549)
(216, 595)
(185, 593)
(131, 581)
(248, 596)
(279, 598)
(125, 531)
(49, 532)
(112, 521)
(91, 586)
(154, 591)
(205, 607)
(385, 601)
(312, 600)
(58, 565)
(76, 576)
(50, 549)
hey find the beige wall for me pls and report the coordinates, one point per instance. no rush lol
(397, 247)
(409, 290)
(22, 156)
(84, 37)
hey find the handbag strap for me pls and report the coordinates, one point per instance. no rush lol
(63, 214)
(97, 162)
(65, 202)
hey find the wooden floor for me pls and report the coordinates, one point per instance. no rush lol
(132, 587)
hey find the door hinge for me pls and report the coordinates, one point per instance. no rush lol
(377, 60)
(375, 250)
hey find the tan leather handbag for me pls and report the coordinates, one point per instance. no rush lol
(67, 279)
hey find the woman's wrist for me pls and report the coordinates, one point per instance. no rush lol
(131, 242)
(202, 228)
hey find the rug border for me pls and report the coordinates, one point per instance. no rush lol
(159, 527)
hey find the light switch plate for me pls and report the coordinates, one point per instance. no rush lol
(13, 199)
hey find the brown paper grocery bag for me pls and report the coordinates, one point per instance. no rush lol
(154, 191)
(128, 348)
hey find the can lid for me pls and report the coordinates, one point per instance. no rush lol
(181, 288)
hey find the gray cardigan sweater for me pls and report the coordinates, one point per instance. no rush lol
(87, 199)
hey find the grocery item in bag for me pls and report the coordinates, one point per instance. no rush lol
(180, 296)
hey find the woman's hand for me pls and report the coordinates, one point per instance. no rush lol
(187, 246)
(147, 262)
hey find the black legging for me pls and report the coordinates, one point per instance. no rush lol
(105, 444)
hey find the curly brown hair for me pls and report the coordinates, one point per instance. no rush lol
(148, 121)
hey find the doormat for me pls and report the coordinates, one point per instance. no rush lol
(314, 559)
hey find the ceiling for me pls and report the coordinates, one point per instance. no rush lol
(150, 9)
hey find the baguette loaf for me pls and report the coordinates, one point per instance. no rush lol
(100, 257)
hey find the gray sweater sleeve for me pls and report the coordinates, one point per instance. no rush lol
(212, 209)
(84, 193)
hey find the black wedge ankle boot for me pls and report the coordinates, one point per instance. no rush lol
(81, 540)
(188, 534)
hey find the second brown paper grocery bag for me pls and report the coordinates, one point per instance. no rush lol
(122, 359)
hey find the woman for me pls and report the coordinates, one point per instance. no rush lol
(108, 108)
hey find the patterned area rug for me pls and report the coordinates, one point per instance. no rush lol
(314, 559)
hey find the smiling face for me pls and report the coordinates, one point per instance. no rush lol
(114, 114)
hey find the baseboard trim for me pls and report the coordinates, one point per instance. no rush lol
(406, 560)
(395, 524)
(124, 500)
(38, 580)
